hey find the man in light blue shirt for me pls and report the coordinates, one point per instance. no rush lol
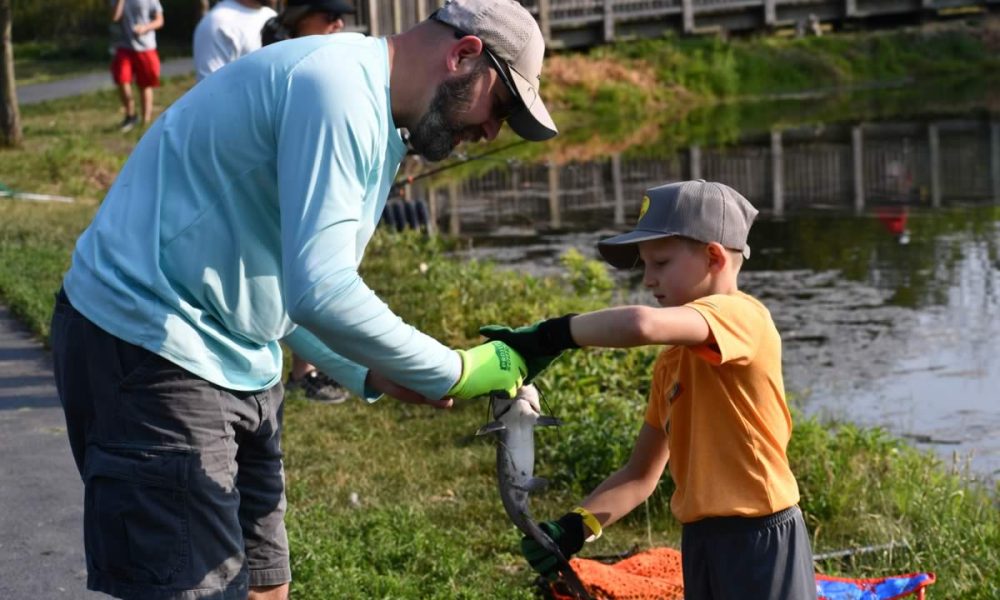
(239, 220)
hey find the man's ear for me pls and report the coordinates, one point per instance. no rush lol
(718, 257)
(462, 53)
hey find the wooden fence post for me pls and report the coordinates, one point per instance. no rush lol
(694, 160)
(770, 12)
(432, 210)
(687, 9)
(995, 159)
(777, 174)
(619, 188)
(555, 212)
(934, 141)
(545, 21)
(609, 20)
(373, 28)
(454, 222)
(857, 147)
(397, 16)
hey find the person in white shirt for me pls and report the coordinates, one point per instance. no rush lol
(228, 31)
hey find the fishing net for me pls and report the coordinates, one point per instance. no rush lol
(656, 573)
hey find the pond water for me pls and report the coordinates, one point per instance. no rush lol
(877, 248)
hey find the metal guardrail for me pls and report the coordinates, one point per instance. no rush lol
(580, 23)
(845, 167)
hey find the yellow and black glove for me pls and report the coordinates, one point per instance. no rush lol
(489, 368)
(539, 343)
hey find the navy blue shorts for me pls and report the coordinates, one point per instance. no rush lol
(737, 558)
(184, 492)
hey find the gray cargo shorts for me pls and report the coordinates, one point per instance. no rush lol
(739, 558)
(184, 493)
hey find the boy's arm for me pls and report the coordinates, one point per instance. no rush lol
(116, 12)
(629, 486)
(622, 327)
(614, 498)
(629, 326)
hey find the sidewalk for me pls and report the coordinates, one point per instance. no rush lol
(40, 92)
(41, 495)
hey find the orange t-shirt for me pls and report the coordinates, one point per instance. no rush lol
(722, 406)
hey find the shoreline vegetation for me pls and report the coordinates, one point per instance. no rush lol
(396, 501)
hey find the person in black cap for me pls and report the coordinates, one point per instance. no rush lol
(299, 19)
(306, 17)
(717, 411)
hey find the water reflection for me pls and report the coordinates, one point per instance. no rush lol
(876, 250)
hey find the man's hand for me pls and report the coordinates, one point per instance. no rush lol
(391, 388)
(567, 533)
(490, 367)
(539, 343)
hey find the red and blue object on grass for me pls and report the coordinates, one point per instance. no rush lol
(656, 574)
(878, 588)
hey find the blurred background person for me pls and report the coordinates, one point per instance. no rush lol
(306, 17)
(228, 31)
(136, 55)
(301, 18)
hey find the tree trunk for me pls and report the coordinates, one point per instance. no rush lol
(10, 118)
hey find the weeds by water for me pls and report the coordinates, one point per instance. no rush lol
(397, 501)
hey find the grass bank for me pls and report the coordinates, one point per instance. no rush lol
(394, 501)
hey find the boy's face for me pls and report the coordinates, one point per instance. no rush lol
(675, 270)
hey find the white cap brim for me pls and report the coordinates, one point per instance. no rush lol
(533, 122)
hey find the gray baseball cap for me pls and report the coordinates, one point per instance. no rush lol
(512, 34)
(701, 210)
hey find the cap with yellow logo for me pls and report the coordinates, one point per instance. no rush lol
(701, 210)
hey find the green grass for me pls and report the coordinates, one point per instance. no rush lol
(768, 66)
(45, 61)
(428, 523)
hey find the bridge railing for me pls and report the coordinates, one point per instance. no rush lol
(580, 23)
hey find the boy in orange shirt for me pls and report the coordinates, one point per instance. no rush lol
(717, 412)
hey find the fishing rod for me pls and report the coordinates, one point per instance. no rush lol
(461, 161)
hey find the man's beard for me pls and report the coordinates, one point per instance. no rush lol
(434, 135)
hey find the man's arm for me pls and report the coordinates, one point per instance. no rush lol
(629, 326)
(117, 11)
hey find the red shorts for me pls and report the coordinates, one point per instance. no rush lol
(145, 64)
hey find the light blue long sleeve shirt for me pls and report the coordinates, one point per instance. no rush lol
(241, 218)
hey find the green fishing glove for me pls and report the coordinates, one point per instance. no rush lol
(567, 533)
(539, 343)
(490, 367)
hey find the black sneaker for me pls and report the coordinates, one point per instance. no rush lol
(319, 388)
(129, 123)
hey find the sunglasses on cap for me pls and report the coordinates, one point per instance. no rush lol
(502, 112)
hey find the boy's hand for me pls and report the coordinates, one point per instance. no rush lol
(539, 343)
(567, 533)
(490, 367)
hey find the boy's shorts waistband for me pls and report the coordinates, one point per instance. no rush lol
(715, 525)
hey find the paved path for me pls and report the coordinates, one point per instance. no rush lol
(40, 92)
(41, 495)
